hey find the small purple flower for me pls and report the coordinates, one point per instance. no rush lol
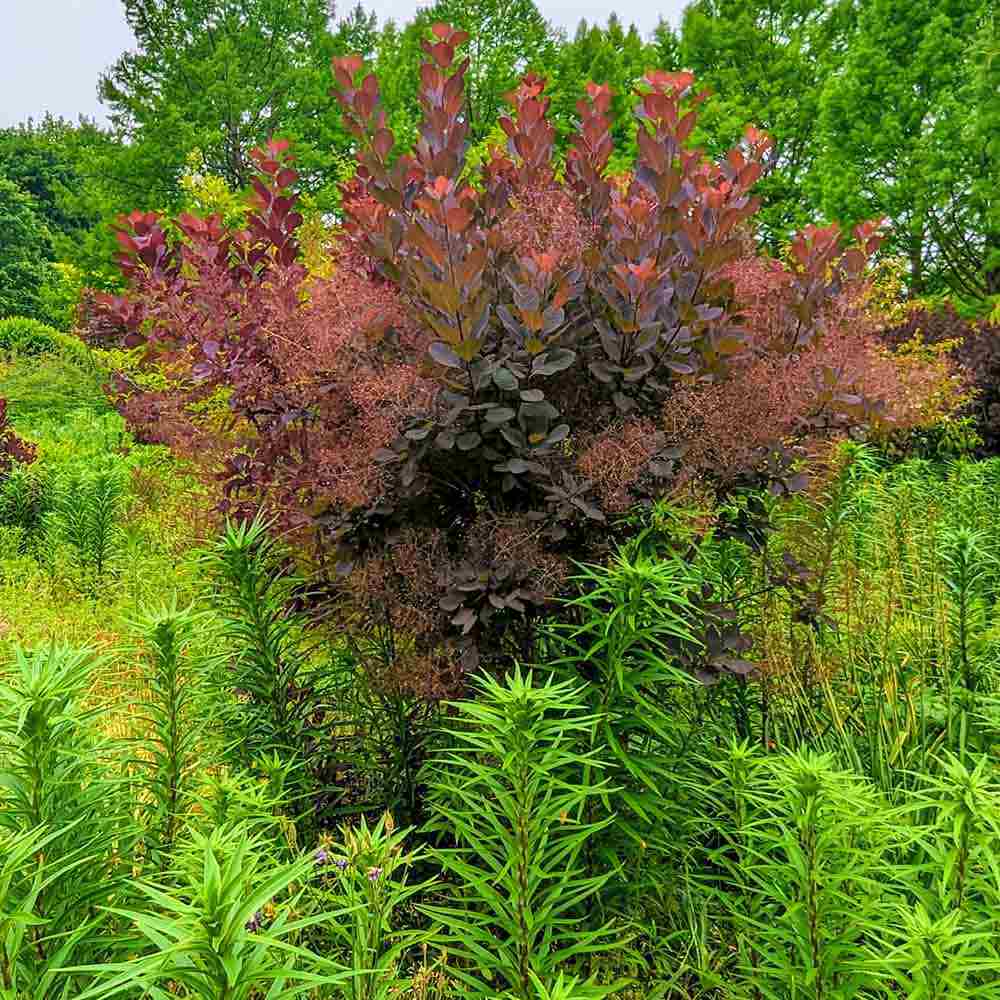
(340, 863)
(321, 857)
(253, 924)
(373, 874)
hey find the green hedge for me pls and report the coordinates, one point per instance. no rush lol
(26, 337)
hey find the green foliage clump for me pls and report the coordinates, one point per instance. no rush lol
(85, 518)
(24, 502)
(61, 294)
(206, 932)
(27, 337)
(283, 685)
(173, 711)
(59, 799)
(24, 337)
(512, 790)
(24, 252)
(49, 388)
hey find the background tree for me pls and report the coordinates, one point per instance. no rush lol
(964, 168)
(25, 253)
(986, 84)
(222, 76)
(666, 46)
(40, 158)
(893, 124)
(357, 32)
(69, 170)
(766, 62)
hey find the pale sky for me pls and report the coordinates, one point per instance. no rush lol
(52, 51)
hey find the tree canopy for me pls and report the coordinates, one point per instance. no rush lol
(25, 251)
(222, 76)
(886, 107)
(898, 122)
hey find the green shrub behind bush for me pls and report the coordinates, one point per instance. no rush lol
(22, 335)
(26, 337)
(48, 388)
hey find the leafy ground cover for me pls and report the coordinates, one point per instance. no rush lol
(96, 526)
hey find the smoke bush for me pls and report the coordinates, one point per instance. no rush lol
(489, 369)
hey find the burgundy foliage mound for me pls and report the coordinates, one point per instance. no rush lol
(496, 365)
(12, 448)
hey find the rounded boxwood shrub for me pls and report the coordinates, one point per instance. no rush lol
(26, 337)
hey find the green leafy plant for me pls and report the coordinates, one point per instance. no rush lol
(935, 959)
(366, 875)
(815, 860)
(225, 931)
(511, 791)
(962, 837)
(632, 617)
(86, 520)
(26, 876)
(258, 800)
(943, 942)
(59, 796)
(969, 574)
(25, 499)
(283, 686)
(172, 717)
(26, 337)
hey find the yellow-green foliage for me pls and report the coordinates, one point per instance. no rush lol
(316, 238)
(213, 411)
(886, 291)
(131, 364)
(480, 153)
(208, 194)
(934, 395)
(50, 385)
(60, 294)
(22, 336)
(163, 513)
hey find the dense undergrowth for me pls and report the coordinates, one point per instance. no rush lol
(660, 661)
(196, 777)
